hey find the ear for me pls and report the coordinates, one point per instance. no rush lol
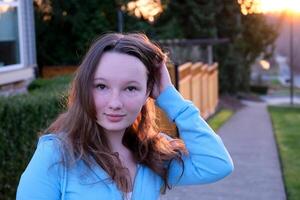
(147, 95)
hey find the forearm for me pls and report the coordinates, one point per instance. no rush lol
(208, 159)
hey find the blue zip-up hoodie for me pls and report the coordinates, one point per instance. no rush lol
(208, 161)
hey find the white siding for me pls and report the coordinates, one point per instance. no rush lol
(28, 32)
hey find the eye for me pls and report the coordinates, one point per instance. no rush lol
(100, 86)
(131, 88)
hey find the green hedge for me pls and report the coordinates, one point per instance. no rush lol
(21, 118)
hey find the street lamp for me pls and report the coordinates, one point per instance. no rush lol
(292, 59)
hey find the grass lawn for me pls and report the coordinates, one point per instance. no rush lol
(220, 118)
(286, 124)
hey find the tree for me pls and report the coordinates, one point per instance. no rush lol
(251, 36)
(258, 37)
(65, 31)
(187, 19)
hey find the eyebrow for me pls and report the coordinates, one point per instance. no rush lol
(99, 79)
(128, 82)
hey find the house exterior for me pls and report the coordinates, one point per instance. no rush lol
(17, 46)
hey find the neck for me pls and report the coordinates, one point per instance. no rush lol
(114, 139)
(115, 143)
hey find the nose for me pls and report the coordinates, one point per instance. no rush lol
(115, 102)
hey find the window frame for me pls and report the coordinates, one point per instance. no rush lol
(20, 65)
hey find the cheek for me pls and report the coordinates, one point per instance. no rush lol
(134, 105)
(99, 102)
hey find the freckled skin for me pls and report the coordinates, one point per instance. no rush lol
(120, 90)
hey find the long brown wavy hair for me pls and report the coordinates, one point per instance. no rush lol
(83, 136)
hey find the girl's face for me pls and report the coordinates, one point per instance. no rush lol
(119, 90)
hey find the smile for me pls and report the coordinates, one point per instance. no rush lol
(114, 117)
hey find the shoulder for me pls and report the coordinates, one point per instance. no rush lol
(49, 148)
(49, 141)
(48, 138)
(42, 176)
(46, 158)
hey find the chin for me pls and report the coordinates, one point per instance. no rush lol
(115, 128)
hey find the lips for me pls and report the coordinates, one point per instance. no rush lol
(114, 117)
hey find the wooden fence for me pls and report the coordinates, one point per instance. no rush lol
(197, 82)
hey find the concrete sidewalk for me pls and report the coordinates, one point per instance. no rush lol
(281, 100)
(257, 176)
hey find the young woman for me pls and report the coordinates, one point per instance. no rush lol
(106, 145)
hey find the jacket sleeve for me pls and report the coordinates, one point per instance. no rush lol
(41, 180)
(207, 160)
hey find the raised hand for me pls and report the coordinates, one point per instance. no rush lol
(165, 81)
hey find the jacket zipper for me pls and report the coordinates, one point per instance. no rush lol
(133, 189)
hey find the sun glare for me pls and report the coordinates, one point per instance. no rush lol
(269, 6)
(279, 5)
(148, 9)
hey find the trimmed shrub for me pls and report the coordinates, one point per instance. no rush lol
(22, 117)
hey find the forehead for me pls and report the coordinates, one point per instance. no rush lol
(120, 66)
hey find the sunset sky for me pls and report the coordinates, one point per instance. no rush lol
(268, 6)
(280, 5)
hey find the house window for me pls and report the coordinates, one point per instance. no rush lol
(9, 34)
